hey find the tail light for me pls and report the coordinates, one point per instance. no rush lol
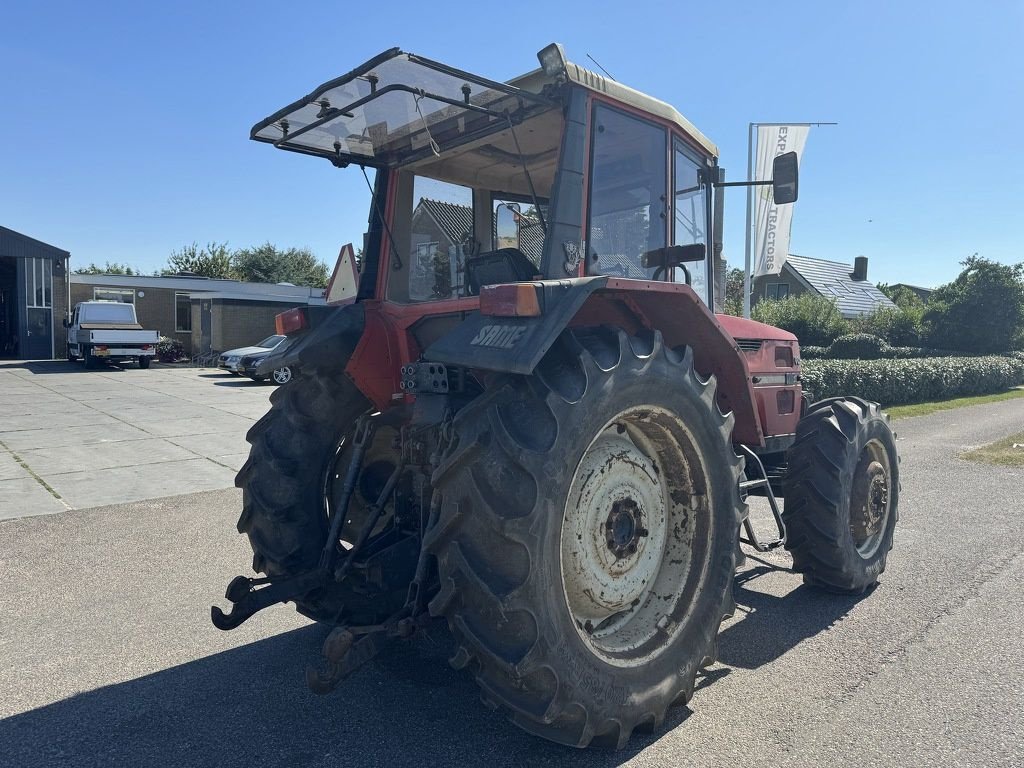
(147, 346)
(291, 321)
(101, 347)
(509, 300)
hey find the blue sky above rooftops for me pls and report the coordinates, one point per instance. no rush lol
(125, 128)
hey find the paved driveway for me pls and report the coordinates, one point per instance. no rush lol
(72, 438)
(120, 666)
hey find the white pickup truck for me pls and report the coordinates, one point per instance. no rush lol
(109, 330)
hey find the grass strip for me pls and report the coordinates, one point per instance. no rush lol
(1008, 452)
(923, 409)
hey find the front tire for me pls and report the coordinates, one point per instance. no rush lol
(587, 539)
(842, 495)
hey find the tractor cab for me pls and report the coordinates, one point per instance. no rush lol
(559, 173)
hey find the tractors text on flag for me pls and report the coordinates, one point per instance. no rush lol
(772, 223)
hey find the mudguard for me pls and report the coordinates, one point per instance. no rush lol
(517, 344)
(327, 345)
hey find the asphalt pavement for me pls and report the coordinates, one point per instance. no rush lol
(109, 657)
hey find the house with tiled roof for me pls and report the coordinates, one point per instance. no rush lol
(445, 224)
(846, 285)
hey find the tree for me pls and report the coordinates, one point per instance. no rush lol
(734, 292)
(108, 268)
(982, 310)
(268, 264)
(212, 261)
(901, 296)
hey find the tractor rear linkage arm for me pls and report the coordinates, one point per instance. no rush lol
(342, 650)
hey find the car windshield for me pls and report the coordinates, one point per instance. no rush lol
(270, 342)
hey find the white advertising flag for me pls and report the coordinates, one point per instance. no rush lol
(772, 222)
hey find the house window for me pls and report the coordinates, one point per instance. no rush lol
(125, 296)
(777, 291)
(182, 313)
(39, 283)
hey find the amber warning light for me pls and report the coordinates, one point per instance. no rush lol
(509, 300)
(291, 321)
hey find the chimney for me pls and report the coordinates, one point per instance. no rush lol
(860, 268)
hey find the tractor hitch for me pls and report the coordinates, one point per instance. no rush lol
(249, 596)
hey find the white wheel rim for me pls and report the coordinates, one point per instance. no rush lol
(282, 375)
(635, 534)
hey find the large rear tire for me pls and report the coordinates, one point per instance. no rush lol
(587, 539)
(297, 451)
(842, 494)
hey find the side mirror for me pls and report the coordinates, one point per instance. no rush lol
(506, 226)
(673, 255)
(65, 323)
(785, 178)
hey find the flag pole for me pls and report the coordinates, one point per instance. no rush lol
(750, 202)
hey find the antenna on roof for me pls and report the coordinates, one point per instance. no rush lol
(602, 68)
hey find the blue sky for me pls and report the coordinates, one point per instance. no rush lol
(124, 126)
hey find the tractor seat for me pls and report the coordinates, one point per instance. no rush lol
(506, 265)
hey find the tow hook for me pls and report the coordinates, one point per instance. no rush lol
(249, 596)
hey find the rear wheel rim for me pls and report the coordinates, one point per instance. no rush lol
(870, 500)
(635, 536)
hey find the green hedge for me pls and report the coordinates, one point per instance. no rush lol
(858, 346)
(811, 352)
(898, 382)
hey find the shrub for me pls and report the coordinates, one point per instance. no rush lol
(814, 319)
(858, 346)
(899, 327)
(811, 352)
(895, 382)
(169, 350)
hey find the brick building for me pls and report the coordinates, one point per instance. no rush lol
(204, 314)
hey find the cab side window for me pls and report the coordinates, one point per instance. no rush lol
(690, 216)
(628, 179)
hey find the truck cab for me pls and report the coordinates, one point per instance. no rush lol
(109, 330)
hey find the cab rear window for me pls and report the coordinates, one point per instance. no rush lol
(108, 313)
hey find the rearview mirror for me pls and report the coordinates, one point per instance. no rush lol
(506, 226)
(785, 178)
(673, 255)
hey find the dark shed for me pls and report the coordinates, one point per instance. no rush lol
(33, 297)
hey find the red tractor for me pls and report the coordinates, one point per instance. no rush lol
(527, 418)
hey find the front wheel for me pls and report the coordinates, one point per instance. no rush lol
(842, 494)
(587, 538)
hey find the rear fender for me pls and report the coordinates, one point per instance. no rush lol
(327, 345)
(517, 344)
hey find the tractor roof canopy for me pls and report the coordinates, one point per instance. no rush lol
(394, 109)
(398, 108)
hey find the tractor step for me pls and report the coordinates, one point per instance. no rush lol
(754, 463)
